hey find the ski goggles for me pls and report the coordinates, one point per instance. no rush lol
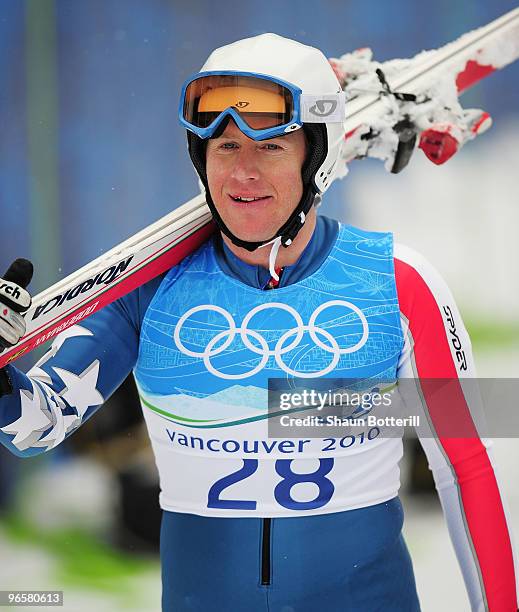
(261, 106)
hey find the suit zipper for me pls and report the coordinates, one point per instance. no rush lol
(265, 552)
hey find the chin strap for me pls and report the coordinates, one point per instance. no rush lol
(286, 233)
(276, 245)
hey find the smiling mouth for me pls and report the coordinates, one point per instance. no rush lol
(248, 200)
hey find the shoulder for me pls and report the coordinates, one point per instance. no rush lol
(415, 273)
(202, 259)
(135, 304)
(365, 243)
(361, 234)
(424, 297)
(411, 262)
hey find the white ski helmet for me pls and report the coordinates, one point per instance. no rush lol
(321, 117)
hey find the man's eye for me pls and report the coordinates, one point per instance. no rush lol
(270, 146)
(228, 145)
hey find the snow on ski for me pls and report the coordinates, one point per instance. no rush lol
(388, 105)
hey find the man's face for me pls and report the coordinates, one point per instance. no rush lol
(269, 171)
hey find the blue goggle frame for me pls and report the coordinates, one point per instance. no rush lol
(262, 134)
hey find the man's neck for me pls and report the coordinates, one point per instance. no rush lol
(286, 256)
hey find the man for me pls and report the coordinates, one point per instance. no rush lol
(253, 522)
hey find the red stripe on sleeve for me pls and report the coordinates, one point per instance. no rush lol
(484, 514)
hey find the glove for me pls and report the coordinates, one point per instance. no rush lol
(14, 301)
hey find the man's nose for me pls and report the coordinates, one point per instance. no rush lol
(245, 166)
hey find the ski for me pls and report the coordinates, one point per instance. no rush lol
(127, 266)
(396, 106)
(389, 106)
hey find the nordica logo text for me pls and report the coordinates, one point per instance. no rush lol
(101, 278)
(455, 339)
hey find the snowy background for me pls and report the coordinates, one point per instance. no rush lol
(90, 152)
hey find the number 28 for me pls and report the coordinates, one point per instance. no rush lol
(281, 491)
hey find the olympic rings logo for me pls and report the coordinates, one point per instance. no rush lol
(282, 346)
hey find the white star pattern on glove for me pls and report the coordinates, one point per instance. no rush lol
(80, 391)
(43, 409)
(33, 421)
(72, 332)
(62, 424)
